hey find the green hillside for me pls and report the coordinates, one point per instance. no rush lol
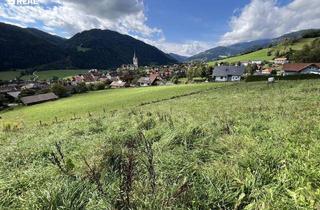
(42, 75)
(242, 146)
(8, 75)
(263, 54)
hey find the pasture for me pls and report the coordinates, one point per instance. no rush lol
(241, 146)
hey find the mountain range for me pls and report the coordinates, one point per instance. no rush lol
(23, 48)
(245, 47)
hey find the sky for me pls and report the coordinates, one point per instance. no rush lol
(184, 27)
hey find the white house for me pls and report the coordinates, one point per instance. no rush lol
(281, 61)
(228, 73)
(256, 62)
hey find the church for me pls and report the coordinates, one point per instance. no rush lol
(134, 65)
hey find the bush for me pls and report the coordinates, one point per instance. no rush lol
(59, 90)
(99, 86)
(81, 88)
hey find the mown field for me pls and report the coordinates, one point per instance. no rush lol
(42, 75)
(263, 53)
(242, 146)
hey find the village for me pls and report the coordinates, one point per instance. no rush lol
(16, 92)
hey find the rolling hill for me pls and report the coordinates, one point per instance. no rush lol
(263, 53)
(223, 51)
(22, 48)
(246, 47)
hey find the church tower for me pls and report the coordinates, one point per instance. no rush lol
(135, 60)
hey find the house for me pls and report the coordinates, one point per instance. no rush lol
(301, 68)
(119, 84)
(281, 61)
(256, 62)
(144, 81)
(153, 79)
(36, 99)
(228, 73)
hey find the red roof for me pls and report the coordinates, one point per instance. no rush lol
(297, 67)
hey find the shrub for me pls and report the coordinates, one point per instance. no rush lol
(81, 88)
(59, 90)
(99, 86)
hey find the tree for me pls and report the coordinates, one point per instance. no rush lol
(269, 53)
(2, 99)
(251, 69)
(81, 88)
(59, 90)
(175, 80)
(99, 86)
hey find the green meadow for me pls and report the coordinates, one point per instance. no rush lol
(95, 102)
(205, 146)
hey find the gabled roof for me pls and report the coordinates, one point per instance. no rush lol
(154, 77)
(223, 71)
(297, 67)
(118, 84)
(38, 98)
(14, 94)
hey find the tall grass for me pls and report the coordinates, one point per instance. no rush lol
(249, 146)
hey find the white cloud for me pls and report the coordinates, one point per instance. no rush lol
(68, 17)
(188, 48)
(266, 19)
(71, 16)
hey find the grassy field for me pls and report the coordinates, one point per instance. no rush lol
(97, 101)
(263, 54)
(8, 75)
(242, 146)
(43, 75)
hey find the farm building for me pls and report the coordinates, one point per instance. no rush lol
(228, 73)
(36, 99)
(301, 68)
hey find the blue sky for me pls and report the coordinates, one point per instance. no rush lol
(185, 27)
(203, 20)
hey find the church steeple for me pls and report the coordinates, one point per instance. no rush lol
(135, 60)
